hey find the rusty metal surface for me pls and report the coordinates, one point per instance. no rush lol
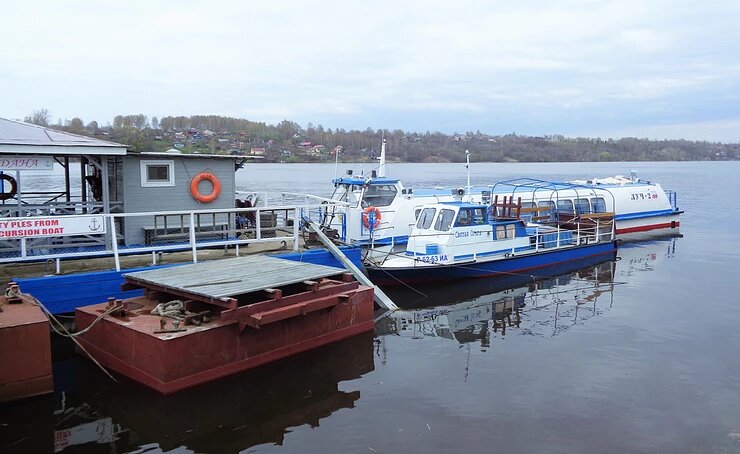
(230, 277)
(25, 351)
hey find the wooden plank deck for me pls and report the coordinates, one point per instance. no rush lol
(227, 278)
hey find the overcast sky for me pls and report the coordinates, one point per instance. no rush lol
(579, 68)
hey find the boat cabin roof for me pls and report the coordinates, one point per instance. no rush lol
(360, 180)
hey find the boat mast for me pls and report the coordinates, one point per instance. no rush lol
(467, 169)
(381, 166)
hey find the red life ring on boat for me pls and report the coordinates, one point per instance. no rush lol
(375, 215)
(205, 198)
(13, 187)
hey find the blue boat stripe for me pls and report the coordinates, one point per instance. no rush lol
(644, 214)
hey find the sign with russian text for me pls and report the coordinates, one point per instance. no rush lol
(26, 163)
(39, 227)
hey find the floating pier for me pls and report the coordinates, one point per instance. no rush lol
(197, 323)
(25, 350)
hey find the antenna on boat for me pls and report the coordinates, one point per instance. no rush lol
(467, 169)
(381, 166)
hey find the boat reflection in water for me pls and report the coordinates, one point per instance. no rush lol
(228, 415)
(475, 311)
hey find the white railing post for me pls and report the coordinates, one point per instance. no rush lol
(258, 224)
(192, 237)
(24, 253)
(296, 224)
(114, 242)
(598, 238)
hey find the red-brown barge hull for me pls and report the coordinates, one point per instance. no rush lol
(25, 351)
(237, 339)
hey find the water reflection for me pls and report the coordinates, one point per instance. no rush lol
(479, 312)
(229, 415)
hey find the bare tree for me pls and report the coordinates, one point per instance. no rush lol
(39, 117)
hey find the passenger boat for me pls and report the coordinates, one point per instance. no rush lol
(380, 210)
(457, 240)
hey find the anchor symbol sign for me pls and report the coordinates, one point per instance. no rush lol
(94, 226)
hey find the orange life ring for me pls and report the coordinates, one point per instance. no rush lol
(13, 187)
(205, 198)
(375, 214)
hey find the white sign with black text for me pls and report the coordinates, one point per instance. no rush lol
(39, 227)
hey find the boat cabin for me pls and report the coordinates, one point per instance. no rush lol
(458, 231)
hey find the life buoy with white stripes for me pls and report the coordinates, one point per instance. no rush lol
(13, 187)
(205, 198)
(371, 217)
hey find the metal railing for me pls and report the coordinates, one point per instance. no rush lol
(170, 231)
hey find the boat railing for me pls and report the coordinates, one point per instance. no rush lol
(672, 199)
(157, 232)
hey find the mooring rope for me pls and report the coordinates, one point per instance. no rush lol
(66, 333)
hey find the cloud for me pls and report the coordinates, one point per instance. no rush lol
(562, 66)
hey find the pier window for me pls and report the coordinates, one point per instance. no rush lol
(157, 173)
(379, 195)
(426, 217)
(444, 220)
(599, 205)
(583, 206)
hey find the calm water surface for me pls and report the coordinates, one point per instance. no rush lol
(637, 355)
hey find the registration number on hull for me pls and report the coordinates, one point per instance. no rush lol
(432, 258)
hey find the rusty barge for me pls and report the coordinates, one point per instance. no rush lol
(197, 323)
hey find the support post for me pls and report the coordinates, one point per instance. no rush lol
(114, 242)
(296, 222)
(192, 238)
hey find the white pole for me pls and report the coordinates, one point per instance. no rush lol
(336, 162)
(467, 169)
(192, 237)
(114, 242)
(296, 224)
(381, 166)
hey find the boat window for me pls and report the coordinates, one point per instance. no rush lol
(565, 206)
(425, 218)
(479, 216)
(416, 213)
(464, 217)
(599, 205)
(157, 173)
(550, 206)
(500, 232)
(444, 220)
(527, 215)
(583, 206)
(511, 231)
(379, 195)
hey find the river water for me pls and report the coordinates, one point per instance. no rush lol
(637, 355)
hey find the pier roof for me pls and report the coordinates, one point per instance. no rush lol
(23, 138)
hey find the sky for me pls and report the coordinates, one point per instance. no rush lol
(657, 69)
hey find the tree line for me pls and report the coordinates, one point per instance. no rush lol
(289, 141)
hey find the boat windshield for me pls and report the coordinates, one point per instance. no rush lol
(444, 220)
(379, 195)
(425, 218)
(347, 193)
(471, 216)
